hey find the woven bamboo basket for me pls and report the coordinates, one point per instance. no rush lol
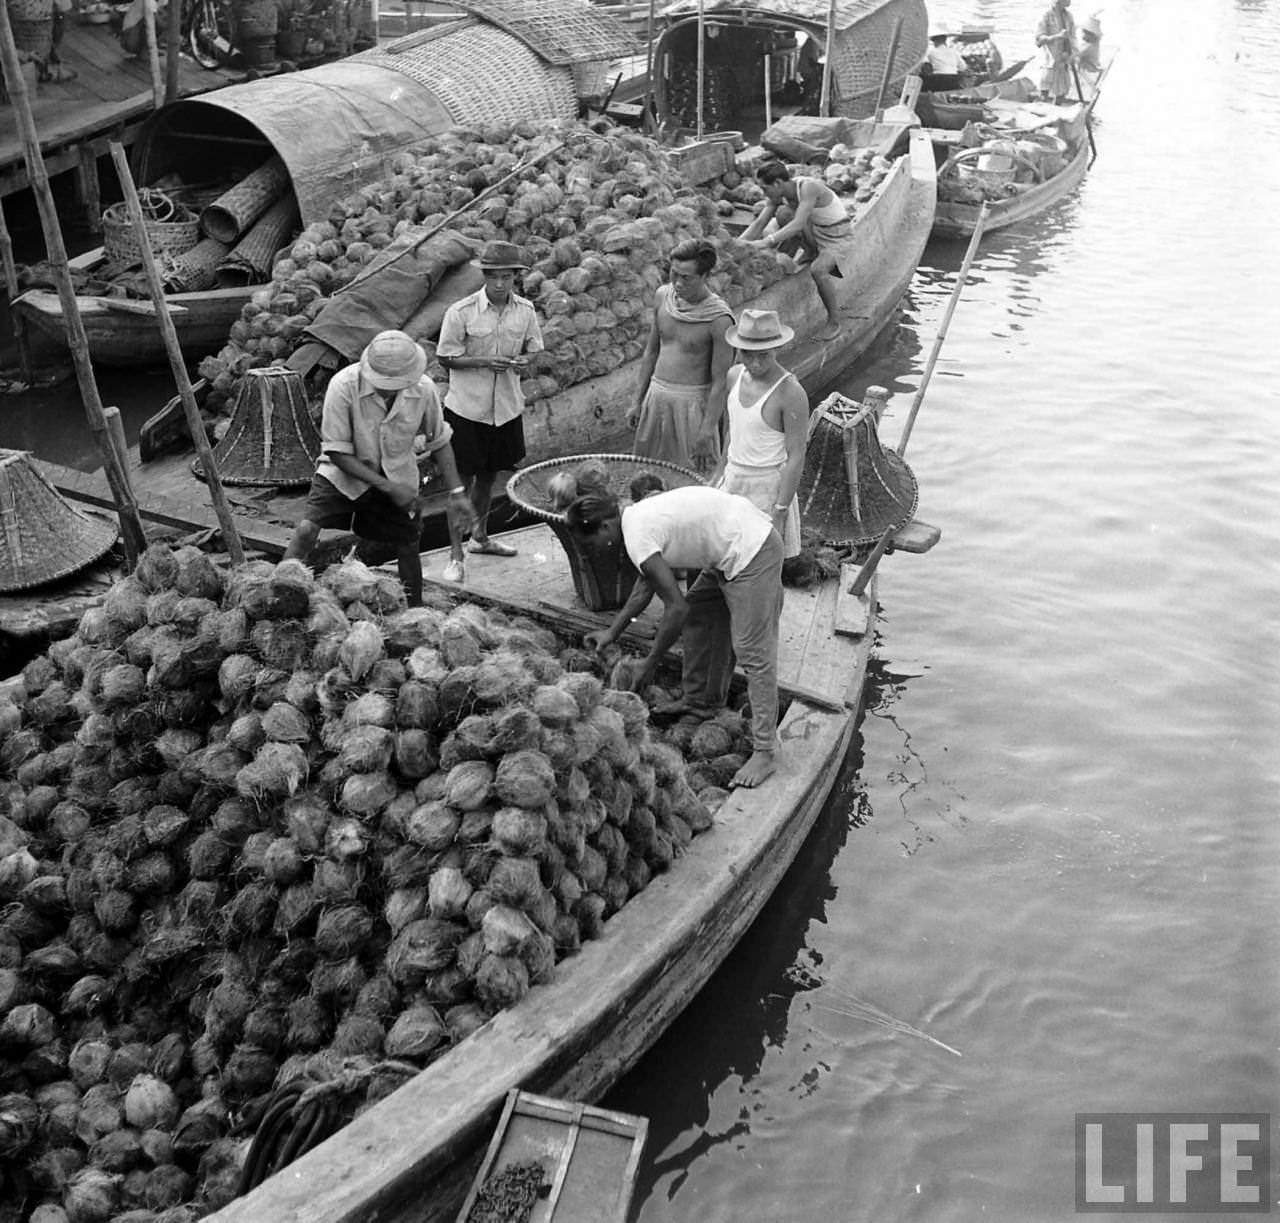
(33, 35)
(196, 269)
(272, 440)
(43, 537)
(249, 263)
(602, 575)
(172, 229)
(234, 211)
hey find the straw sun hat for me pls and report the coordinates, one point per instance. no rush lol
(43, 537)
(392, 361)
(501, 257)
(759, 329)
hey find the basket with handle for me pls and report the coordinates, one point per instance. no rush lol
(172, 229)
(964, 164)
(602, 576)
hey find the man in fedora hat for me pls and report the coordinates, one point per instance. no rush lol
(819, 220)
(366, 478)
(485, 342)
(731, 609)
(768, 416)
(680, 392)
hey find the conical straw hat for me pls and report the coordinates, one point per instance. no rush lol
(852, 488)
(44, 537)
(272, 442)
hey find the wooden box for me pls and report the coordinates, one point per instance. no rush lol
(703, 160)
(590, 1157)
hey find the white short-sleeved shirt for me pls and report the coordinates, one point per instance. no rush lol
(695, 528)
(356, 421)
(475, 327)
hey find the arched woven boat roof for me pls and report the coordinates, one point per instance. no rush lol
(337, 125)
(863, 32)
(561, 31)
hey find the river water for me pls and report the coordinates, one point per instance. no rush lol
(1055, 847)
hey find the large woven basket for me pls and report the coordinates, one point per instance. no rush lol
(43, 537)
(171, 231)
(602, 576)
(34, 35)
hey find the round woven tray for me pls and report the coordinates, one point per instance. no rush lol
(528, 487)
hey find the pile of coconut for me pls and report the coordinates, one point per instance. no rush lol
(257, 824)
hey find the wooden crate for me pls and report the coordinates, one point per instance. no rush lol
(703, 160)
(590, 1157)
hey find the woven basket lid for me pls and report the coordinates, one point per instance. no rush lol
(45, 537)
(272, 441)
(852, 488)
(528, 488)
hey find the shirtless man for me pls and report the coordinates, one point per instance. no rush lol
(680, 398)
(819, 218)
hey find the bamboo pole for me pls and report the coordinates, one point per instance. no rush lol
(888, 68)
(11, 288)
(153, 52)
(824, 102)
(768, 91)
(648, 66)
(131, 533)
(961, 277)
(702, 62)
(173, 50)
(230, 535)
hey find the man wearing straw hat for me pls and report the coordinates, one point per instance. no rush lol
(1056, 34)
(367, 477)
(731, 610)
(768, 415)
(485, 342)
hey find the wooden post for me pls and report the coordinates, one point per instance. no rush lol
(173, 50)
(230, 535)
(115, 429)
(888, 68)
(824, 102)
(11, 288)
(961, 277)
(648, 68)
(702, 62)
(131, 533)
(768, 91)
(90, 189)
(153, 52)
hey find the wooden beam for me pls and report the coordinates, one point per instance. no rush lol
(90, 190)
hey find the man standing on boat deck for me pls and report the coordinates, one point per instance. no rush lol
(819, 219)
(367, 477)
(680, 398)
(484, 343)
(731, 609)
(1056, 33)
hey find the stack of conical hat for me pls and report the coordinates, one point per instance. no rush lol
(43, 537)
(272, 440)
(852, 488)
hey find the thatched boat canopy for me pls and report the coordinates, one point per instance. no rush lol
(741, 32)
(336, 126)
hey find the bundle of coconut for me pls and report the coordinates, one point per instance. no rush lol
(258, 825)
(596, 219)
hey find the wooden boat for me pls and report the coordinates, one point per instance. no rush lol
(123, 331)
(411, 1156)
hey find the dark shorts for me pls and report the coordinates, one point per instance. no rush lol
(485, 448)
(372, 515)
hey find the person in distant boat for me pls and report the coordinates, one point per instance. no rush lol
(768, 414)
(731, 609)
(680, 393)
(819, 219)
(1056, 34)
(485, 342)
(367, 478)
(1089, 60)
(944, 65)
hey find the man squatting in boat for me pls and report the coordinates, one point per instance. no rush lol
(731, 609)
(680, 396)
(367, 478)
(820, 222)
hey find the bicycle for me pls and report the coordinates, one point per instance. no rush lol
(210, 34)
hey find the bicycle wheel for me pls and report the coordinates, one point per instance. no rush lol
(209, 34)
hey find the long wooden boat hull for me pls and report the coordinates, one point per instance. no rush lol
(957, 220)
(411, 1156)
(131, 337)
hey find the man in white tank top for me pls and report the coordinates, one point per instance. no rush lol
(731, 609)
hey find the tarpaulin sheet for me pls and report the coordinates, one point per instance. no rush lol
(395, 288)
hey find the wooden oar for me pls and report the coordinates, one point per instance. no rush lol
(942, 330)
(1088, 116)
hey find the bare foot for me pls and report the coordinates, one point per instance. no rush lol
(683, 706)
(758, 767)
(830, 331)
